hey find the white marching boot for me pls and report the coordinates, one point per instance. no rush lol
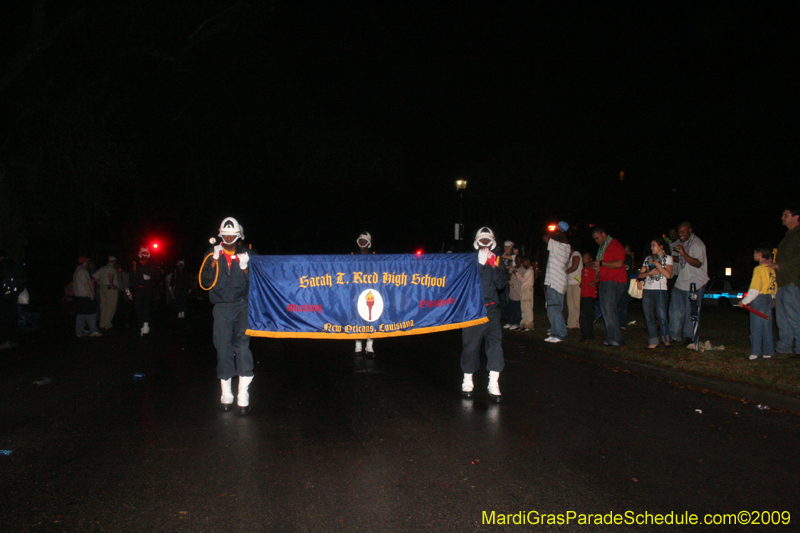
(467, 387)
(226, 401)
(359, 348)
(145, 328)
(243, 398)
(369, 350)
(494, 387)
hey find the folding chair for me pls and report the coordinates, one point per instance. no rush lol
(28, 320)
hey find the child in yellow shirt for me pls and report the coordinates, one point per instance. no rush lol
(759, 296)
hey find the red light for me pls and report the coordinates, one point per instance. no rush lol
(155, 245)
(419, 252)
(551, 227)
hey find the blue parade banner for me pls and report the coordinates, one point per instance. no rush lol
(363, 296)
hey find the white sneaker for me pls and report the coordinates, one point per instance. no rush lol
(96, 334)
(767, 356)
(549, 339)
(512, 328)
(507, 326)
(753, 357)
(555, 340)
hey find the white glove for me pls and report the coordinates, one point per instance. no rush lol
(244, 260)
(483, 255)
(218, 250)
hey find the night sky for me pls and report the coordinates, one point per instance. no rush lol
(310, 122)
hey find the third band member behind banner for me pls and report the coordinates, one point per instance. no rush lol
(144, 280)
(364, 242)
(226, 276)
(493, 279)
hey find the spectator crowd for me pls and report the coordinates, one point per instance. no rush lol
(671, 281)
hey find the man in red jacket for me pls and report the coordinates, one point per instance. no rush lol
(610, 267)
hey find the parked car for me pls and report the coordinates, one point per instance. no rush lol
(723, 292)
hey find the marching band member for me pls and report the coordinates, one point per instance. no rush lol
(493, 280)
(364, 242)
(144, 279)
(225, 274)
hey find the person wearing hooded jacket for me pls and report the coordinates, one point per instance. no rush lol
(493, 280)
(225, 274)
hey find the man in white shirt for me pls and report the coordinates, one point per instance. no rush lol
(555, 281)
(692, 268)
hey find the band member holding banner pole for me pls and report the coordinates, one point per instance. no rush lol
(493, 280)
(364, 242)
(226, 276)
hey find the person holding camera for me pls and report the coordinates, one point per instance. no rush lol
(655, 271)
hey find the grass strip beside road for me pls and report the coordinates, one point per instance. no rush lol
(727, 327)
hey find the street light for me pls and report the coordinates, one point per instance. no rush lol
(461, 184)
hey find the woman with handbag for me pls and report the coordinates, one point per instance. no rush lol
(655, 271)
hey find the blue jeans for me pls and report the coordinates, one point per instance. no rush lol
(680, 313)
(610, 294)
(761, 340)
(85, 321)
(654, 302)
(554, 302)
(787, 311)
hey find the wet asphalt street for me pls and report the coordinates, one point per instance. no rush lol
(335, 443)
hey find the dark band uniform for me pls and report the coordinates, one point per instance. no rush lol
(493, 280)
(229, 295)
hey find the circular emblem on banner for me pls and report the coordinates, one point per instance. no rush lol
(370, 305)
